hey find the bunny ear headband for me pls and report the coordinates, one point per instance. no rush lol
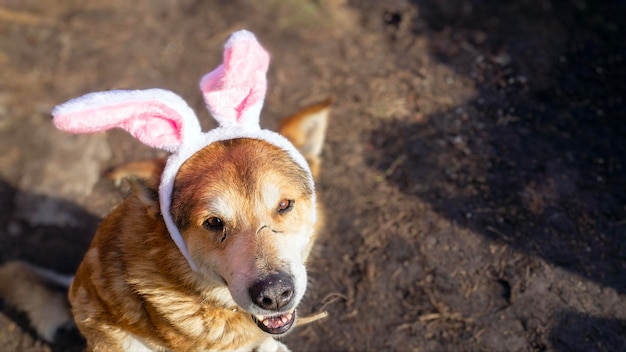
(233, 92)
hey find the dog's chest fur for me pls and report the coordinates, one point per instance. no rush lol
(134, 280)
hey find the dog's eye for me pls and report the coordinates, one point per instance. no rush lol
(285, 205)
(213, 223)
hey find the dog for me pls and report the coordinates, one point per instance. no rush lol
(247, 215)
(145, 293)
(124, 295)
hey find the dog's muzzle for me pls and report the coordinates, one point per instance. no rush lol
(273, 293)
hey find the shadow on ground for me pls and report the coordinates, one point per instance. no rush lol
(536, 159)
(53, 246)
(580, 332)
(58, 247)
(550, 178)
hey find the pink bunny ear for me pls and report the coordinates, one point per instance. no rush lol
(157, 117)
(234, 92)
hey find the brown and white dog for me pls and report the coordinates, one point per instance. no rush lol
(134, 290)
(242, 207)
(245, 212)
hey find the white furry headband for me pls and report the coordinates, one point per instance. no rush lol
(234, 93)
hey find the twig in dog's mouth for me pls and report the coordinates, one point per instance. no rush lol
(275, 324)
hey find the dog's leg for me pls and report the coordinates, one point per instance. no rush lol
(111, 339)
(271, 345)
(27, 288)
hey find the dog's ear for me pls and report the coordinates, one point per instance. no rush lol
(306, 130)
(148, 170)
(147, 195)
(143, 177)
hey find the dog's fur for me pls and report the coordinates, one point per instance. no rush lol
(243, 208)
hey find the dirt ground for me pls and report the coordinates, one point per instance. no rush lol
(474, 172)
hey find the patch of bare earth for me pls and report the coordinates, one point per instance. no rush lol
(473, 174)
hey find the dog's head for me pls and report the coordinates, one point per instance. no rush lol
(238, 201)
(244, 209)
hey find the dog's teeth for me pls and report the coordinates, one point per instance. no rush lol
(275, 321)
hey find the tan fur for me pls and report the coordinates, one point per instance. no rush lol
(135, 290)
(45, 306)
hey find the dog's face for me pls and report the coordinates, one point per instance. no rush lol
(245, 210)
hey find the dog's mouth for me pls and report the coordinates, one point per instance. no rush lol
(275, 324)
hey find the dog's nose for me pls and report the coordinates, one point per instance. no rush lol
(272, 292)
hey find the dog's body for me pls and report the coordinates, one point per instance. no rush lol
(243, 207)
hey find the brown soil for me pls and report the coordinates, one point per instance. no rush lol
(474, 171)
